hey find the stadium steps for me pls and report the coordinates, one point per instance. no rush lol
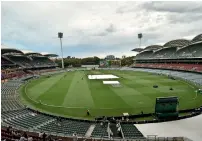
(90, 130)
(100, 131)
(45, 123)
(114, 131)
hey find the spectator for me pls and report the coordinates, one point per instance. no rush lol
(101, 123)
(30, 139)
(75, 138)
(44, 136)
(24, 137)
(117, 125)
(40, 134)
(9, 129)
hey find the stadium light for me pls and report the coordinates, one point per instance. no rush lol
(140, 37)
(60, 35)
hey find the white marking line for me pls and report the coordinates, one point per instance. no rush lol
(109, 76)
(196, 95)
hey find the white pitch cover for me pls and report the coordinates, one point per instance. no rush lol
(108, 76)
(111, 82)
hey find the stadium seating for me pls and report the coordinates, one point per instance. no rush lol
(191, 51)
(12, 73)
(28, 60)
(5, 61)
(187, 67)
(10, 101)
(7, 64)
(66, 126)
(130, 131)
(29, 120)
(179, 50)
(15, 113)
(100, 130)
(165, 53)
(21, 60)
(144, 55)
(42, 61)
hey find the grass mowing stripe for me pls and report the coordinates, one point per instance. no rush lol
(78, 94)
(37, 90)
(56, 94)
(102, 96)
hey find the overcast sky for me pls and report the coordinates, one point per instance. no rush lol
(97, 28)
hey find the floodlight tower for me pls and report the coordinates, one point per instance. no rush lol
(140, 37)
(60, 35)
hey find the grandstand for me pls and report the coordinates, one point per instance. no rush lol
(164, 53)
(147, 52)
(27, 60)
(177, 54)
(15, 63)
(39, 60)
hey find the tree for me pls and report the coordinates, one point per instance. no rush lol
(77, 62)
(127, 61)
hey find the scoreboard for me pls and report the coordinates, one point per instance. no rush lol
(110, 63)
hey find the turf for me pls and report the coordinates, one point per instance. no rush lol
(69, 95)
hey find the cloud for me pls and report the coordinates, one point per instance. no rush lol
(176, 7)
(97, 28)
(111, 28)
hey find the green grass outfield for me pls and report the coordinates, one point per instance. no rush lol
(67, 94)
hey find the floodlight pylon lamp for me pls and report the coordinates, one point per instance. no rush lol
(60, 35)
(140, 37)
